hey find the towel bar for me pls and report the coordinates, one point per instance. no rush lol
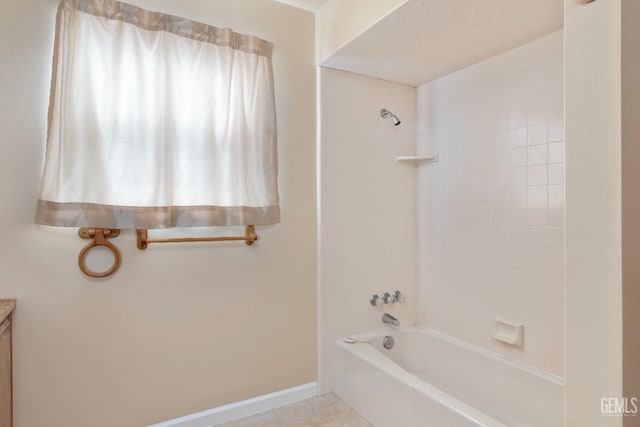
(100, 236)
(250, 237)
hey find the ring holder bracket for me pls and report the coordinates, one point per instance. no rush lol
(99, 236)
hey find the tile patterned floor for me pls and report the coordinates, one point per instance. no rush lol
(321, 411)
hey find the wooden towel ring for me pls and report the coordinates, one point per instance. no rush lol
(99, 236)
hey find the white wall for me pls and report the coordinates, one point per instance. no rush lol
(491, 212)
(594, 232)
(179, 328)
(338, 22)
(367, 234)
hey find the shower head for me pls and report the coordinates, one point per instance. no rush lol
(384, 113)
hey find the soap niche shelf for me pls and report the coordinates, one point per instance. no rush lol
(510, 333)
(416, 160)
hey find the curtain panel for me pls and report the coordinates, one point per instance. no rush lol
(157, 121)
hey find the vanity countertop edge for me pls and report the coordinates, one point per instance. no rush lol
(7, 305)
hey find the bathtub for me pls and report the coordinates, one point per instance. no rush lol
(432, 380)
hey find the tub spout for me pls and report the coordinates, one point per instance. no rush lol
(390, 320)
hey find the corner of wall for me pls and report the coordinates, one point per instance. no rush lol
(339, 21)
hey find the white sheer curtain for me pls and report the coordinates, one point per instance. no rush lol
(156, 121)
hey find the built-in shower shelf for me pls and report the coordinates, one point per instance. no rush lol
(417, 159)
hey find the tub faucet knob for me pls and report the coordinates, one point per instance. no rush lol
(387, 298)
(399, 297)
(375, 300)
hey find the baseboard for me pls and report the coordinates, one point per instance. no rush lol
(235, 411)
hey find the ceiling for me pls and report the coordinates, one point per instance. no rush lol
(426, 39)
(310, 5)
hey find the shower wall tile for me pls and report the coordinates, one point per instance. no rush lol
(491, 212)
(368, 207)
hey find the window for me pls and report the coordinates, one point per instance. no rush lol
(156, 121)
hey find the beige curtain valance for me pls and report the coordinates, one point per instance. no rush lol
(156, 21)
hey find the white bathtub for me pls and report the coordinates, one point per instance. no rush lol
(431, 380)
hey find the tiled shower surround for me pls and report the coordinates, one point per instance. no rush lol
(491, 211)
(368, 206)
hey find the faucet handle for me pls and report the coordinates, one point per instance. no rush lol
(399, 296)
(387, 298)
(375, 300)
